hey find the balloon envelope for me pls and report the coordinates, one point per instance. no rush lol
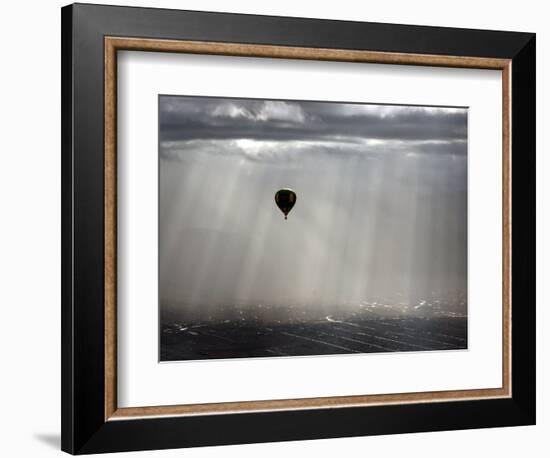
(285, 199)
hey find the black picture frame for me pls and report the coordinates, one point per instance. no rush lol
(84, 427)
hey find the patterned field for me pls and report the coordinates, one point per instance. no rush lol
(244, 339)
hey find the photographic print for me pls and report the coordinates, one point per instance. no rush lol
(301, 228)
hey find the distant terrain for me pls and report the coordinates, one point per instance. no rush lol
(371, 328)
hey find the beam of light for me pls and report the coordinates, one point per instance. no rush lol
(323, 216)
(261, 229)
(179, 188)
(227, 198)
(366, 281)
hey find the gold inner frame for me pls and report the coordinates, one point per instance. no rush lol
(112, 45)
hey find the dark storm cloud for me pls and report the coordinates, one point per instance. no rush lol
(197, 118)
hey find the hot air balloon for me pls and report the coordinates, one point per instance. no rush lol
(285, 199)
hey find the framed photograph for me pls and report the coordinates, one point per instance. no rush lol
(284, 228)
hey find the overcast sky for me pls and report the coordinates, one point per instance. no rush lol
(381, 201)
